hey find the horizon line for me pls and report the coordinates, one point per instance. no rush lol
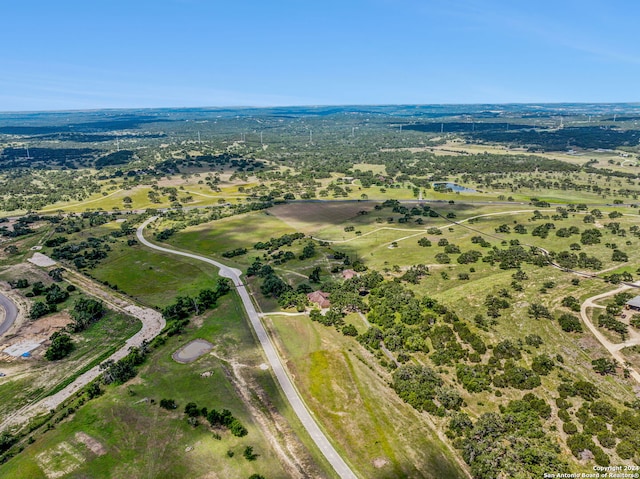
(328, 105)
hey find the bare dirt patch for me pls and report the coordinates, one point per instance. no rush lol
(60, 460)
(312, 216)
(192, 351)
(92, 444)
(40, 259)
(37, 331)
(380, 462)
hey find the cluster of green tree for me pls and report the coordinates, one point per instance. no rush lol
(418, 386)
(53, 295)
(598, 419)
(609, 321)
(178, 313)
(56, 241)
(590, 236)
(61, 346)
(604, 366)
(121, 157)
(34, 189)
(217, 419)
(165, 234)
(469, 257)
(511, 443)
(517, 377)
(234, 252)
(46, 158)
(168, 404)
(490, 163)
(513, 257)
(569, 323)
(495, 304)
(119, 372)
(415, 273)
(85, 254)
(568, 260)
(592, 137)
(331, 317)
(225, 419)
(85, 312)
(277, 243)
(19, 283)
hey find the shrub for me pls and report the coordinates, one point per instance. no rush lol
(168, 404)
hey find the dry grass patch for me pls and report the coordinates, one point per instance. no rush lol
(313, 216)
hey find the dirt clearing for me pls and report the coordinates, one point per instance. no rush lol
(192, 351)
(31, 334)
(40, 259)
(92, 444)
(312, 216)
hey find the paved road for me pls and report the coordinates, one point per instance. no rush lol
(309, 423)
(11, 313)
(614, 349)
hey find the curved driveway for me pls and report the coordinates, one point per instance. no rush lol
(614, 349)
(11, 313)
(309, 423)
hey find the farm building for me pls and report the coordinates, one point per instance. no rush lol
(634, 303)
(320, 298)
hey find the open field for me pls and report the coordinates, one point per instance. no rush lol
(170, 446)
(346, 389)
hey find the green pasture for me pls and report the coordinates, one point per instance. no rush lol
(381, 435)
(141, 439)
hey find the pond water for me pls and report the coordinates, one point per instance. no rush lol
(456, 188)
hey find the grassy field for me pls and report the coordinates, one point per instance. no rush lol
(169, 446)
(243, 231)
(381, 435)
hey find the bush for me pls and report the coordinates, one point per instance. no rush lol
(61, 346)
(40, 309)
(570, 323)
(349, 330)
(168, 404)
(237, 429)
(249, 455)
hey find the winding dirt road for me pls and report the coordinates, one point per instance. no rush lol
(613, 348)
(290, 392)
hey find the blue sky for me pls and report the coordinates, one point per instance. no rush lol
(69, 54)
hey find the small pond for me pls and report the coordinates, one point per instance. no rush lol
(456, 188)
